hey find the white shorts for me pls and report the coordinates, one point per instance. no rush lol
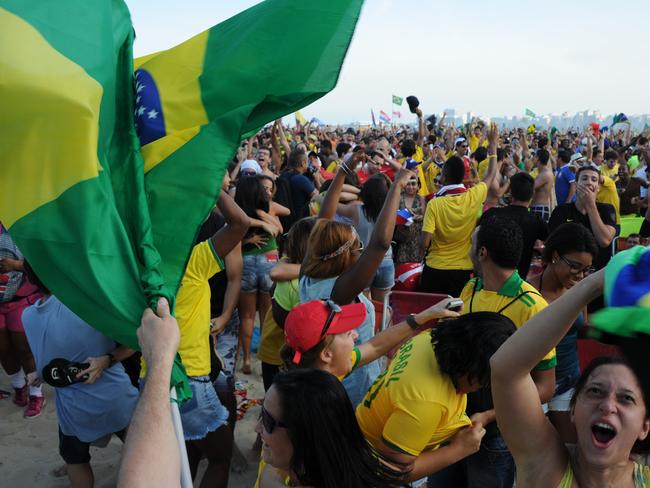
(561, 403)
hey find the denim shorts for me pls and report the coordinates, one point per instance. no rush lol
(227, 348)
(385, 276)
(255, 276)
(204, 413)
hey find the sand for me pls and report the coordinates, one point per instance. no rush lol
(29, 447)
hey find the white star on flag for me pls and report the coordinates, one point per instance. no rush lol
(152, 114)
(139, 87)
(142, 109)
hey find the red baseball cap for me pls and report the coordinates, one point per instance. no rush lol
(308, 323)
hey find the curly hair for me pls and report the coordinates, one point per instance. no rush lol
(567, 238)
(503, 240)
(464, 346)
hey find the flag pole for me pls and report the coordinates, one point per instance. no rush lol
(186, 475)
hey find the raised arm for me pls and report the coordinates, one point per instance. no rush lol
(383, 342)
(354, 280)
(421, 128)
(529, 435)
(237, 224)
(329, 205)
(150, 456)
(493, 140)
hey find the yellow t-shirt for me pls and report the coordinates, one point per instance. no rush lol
(483, 167)
(333, 166)
(412, 406)
(286, 295)
(511, 301)
(608, 194)
(612, 173)
(430, 175)
(451, 220)
(193, 310)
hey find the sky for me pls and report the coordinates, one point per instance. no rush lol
(491, 58)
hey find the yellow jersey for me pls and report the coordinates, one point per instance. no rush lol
(516, 299)
(193, 310)
(608, 194)
(412, 406)
(612, 173)
(451, 221)
(287, 296)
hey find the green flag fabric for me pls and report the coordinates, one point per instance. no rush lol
(530, 113)
(106, 208)
(220, 87)
(397, 100)
(72, 192)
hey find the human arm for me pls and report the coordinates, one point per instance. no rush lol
(284, 271)
(465, 442)
(354, 280)
(383, 342)
(493, 140)
(421, 128)
(7, 265)
(603, 233)
(572, 191)
(279, 210)
(150, 456)
(234, 267)
(529, 435)
(329, 206)
(237, 224)
(98, 364)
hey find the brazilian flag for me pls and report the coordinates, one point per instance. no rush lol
(107, 172)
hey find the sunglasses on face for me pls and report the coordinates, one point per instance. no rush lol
(412, 183)
(577, 268)
(269, 422)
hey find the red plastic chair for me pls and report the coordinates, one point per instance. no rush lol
(589, 349)
(404, 303)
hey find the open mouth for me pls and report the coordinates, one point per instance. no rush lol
(602, 434)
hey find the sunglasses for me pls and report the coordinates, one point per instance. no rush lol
(269, 422)
(577, 268)
(334, 309)
(248, 173)
(412, 183)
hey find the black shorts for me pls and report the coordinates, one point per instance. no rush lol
(74, 451)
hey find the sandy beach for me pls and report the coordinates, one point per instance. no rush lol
(29, 447)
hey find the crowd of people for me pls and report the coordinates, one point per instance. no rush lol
(506, 231)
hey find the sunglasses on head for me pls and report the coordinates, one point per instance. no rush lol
(334, 309)
(248, 173)
(269, 422)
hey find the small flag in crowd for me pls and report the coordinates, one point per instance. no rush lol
(383, 117)
(411, 163)
(397, 113)
(531, 128)
(530, 113)
(317, 121)
(397, 100)
(619, 118)
(372, 114)
(300, 118)
(404, 217)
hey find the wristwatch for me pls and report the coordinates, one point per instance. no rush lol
(410, 319)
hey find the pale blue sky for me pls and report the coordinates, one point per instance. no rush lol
(492, 58)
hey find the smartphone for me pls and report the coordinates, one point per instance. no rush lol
(455, 305)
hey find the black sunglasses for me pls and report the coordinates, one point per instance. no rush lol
(269, 422)
(334, 309)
